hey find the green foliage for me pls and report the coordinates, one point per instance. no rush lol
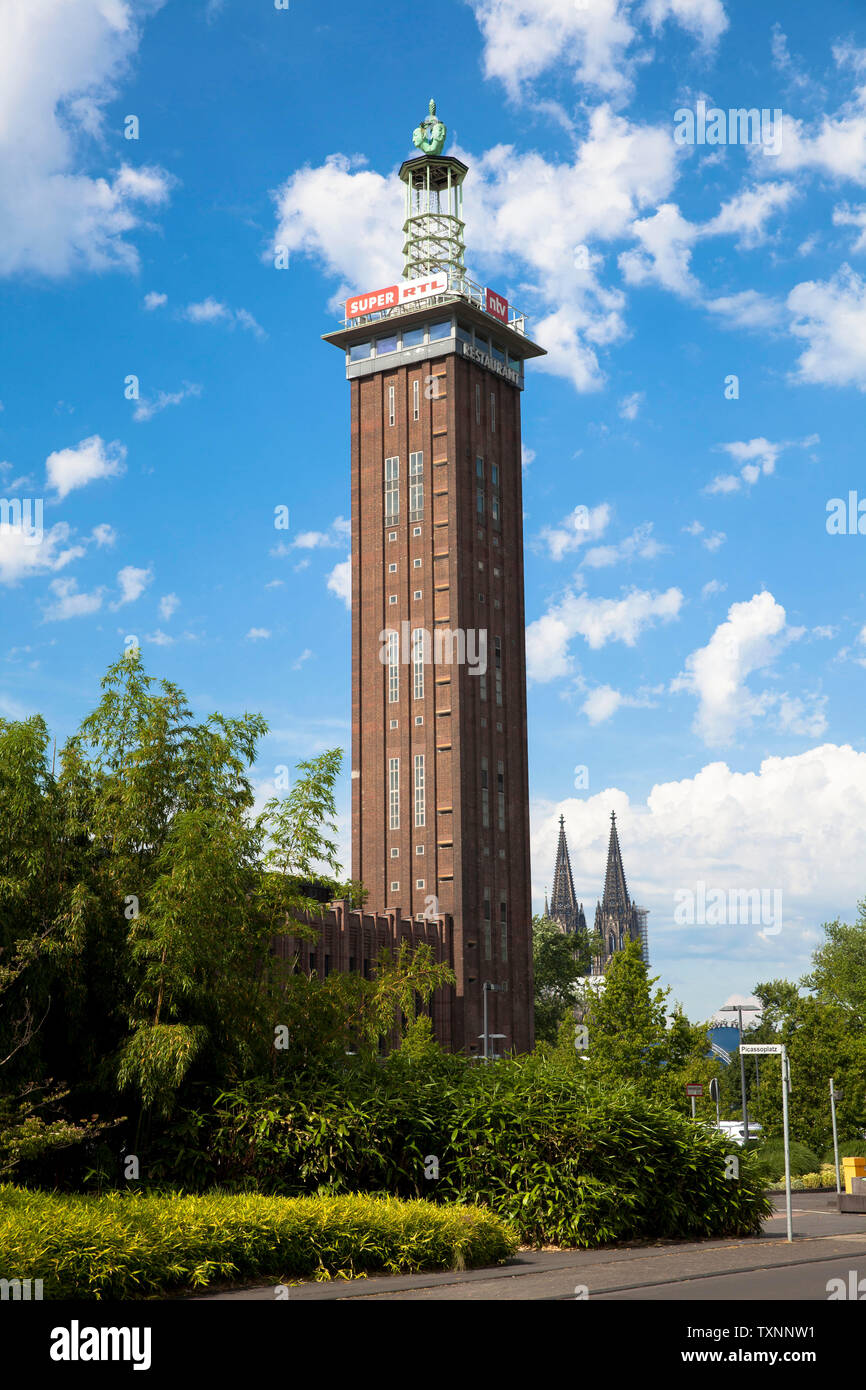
(122, 1246)
(564, 1160)
(854, 1148)
(769, 1159)
(559, 959)
(838, 974)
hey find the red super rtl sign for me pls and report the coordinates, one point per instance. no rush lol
(375, 301)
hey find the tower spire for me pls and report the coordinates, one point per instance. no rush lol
(564, 908)
(616, 898)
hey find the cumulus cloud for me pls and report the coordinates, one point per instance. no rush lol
(340, 581)
(641, 544)
(168, 604)
(58, 70)
(750, 640)
(20, 558)
(132, 583)
(69, 603)
(258, 634)
(845, 216)
(796, 822)
(214, 311)
(829, 316)
(84, 463)
(755, 457)
(580, 526)
(154, 300)
(598, 621)
(146, 409)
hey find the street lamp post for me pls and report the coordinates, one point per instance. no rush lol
(489, 987)
(834, 1095)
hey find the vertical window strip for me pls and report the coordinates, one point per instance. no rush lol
(488, 932)
(485, 795)
(416, 486)
(393, 667)
(418, 654)
(497, 644)
(503, 927)
(392, 489)
(500, 793)
(416, 399)
(492, 412)
(478, 405)
(419, 790)
(394, 793)
(392, 410)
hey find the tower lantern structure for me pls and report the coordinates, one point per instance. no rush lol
(434, 224)
(440, 781)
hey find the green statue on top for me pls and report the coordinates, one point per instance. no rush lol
(429, 137)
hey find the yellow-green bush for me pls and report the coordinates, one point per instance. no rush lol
(125, 1245)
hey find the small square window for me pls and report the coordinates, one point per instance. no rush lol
(419, 883)
(417, 593)
(417, 564)
(419, 849)
(392, 535)
(416, 531)
(480, 598)
(495, 540)
(395, 888)
(499, 728)
(481, 564)
(496, 572)
(392, 569)
(393, 724)
(486, 849)
(419, 719)
(502, 854)
(392, 598)
(395, 854)
(496, 603)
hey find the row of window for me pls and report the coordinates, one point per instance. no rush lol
(485, 794)
(416, 487)
(394, 792)
(436, 332)
(488, 926)
(416, 402)
(421, 657)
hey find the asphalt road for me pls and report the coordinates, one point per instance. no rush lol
(827, 1245)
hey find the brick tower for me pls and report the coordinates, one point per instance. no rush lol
(440, 800)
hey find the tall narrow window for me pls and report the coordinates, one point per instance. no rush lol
(485, 795)
(488, 944)
(500, 794)
(503, 928)
(392, 489)
(494, 507)
(479, 469)
(393, 667)
(416, 399)
(497, 657)
(494, 474)
(492, 412)
(394, 793)
(479, 495)
(392, 409)
(416, 486)
(419, 789)
(478, 405)
(482, 683)
(418, 654)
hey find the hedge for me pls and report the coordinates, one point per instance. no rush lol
(126, 1245)
(531, 1139)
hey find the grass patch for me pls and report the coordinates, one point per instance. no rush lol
(127, 1245)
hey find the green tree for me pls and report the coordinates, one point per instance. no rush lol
(558, 964)
(838, 973)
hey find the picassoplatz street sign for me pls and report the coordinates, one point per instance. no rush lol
(760, 1049)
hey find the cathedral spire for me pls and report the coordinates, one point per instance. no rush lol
(616, 897)
(564, 908)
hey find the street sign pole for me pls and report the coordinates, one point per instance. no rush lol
(835, 1133)
(759, 1050)
(785, 1088)
(693, 1107)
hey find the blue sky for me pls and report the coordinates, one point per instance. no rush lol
(699, 646)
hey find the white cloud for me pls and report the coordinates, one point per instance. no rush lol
(340, 581)
(168, 604)
(712, 586)
(212, 310)
(103, 534)
(796, 822)
(747, 213)
(756, 457)
(630, 405)
(640, 544)
(598, 621)
(146, 409)
(258, 634)
(75, 467)
(69, 603)
(133, 583)
(602, 703)
(336, 536)
(527, 456)
(830, 317)
(60, 64)
(750, 639)
(845, 216)
(21, 559)
(154, 300)
(582, 525)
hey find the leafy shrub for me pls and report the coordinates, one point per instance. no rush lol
(770, 1159)
(852, 1148)
(566, 1162)
(126, 1245)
